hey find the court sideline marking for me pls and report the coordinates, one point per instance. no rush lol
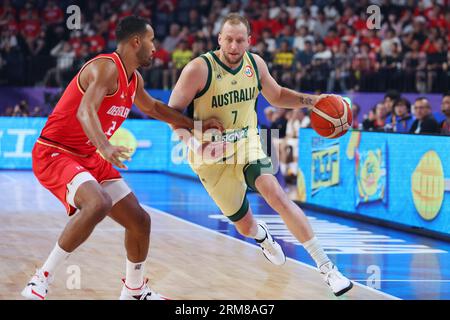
(255, 247)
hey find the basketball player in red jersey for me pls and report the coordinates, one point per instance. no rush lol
(65, 160)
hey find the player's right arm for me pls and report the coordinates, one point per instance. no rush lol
(99, 78)
(192, 80)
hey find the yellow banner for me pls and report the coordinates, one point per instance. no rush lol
(325, 167)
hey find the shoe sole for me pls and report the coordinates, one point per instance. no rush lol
(30, 295)
(340, 293)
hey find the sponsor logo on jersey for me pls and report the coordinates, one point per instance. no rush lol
(231, 136)
(248, 71)
(234, 96)
(118, 111)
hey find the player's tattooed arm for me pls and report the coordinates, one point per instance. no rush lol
(306, 101)
(279, 96)
(158, 110)
(98, 79)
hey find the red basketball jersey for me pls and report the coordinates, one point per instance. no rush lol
(64, 131)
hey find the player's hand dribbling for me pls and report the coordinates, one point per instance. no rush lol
(115, 154)
(324, 95)
(212, 123)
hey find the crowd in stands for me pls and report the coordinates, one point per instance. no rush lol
(323, 45)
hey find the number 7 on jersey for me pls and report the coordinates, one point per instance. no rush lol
(234, 112)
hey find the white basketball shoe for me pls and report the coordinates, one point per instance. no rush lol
(37, 287)
(270, 248)
(142, 293)
(334, 279)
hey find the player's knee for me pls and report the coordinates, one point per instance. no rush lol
(100, 206)
(141, 223)
(144, 222)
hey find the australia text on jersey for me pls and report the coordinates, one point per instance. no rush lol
(233, 96)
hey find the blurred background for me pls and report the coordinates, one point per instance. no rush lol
(393, 67)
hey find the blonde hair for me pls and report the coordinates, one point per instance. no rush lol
(235, 18)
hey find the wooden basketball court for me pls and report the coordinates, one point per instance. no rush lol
(186, 261)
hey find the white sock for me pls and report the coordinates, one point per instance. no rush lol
(293, 168)
(316, 252)
(55, 259)
(260, 234)
(283, 168)
(134, 278)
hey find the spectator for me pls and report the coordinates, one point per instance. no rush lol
(21, 109)
(285, 36)
(403, 120)
(355, 116)
(175, 36)
(364, 67)
(321, 66)
(376, 118)
(391, 68)
(269, 40)
(331, 40)
(283, 65)
(389, 98)
(437, 67)
(445, 107)
(278, 128)
(306, 20)
(195, 22)
(52, 13)
(414, 66)
(411, 46)
(289, 145)
(340, 69)
(64, 62)
(293, 9)
(158, 76)
(387, 45)
(322, 25)
(425, 122)
(37, 112)
(301, 37)
(180, 57)
(261, 50)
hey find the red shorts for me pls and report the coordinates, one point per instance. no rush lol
(55, 168)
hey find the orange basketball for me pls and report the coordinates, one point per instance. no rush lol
(331, 117)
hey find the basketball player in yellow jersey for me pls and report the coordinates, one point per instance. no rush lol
(224, 84)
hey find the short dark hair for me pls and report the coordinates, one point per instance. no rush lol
(446, 94)
(403, 101)
(130, 26)
(392, 94)
(426, 99)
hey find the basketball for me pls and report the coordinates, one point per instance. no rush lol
(331, 117)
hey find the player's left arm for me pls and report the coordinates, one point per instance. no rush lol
(279, 96)
(158, 110)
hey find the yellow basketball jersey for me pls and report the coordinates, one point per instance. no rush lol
(230, 96)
